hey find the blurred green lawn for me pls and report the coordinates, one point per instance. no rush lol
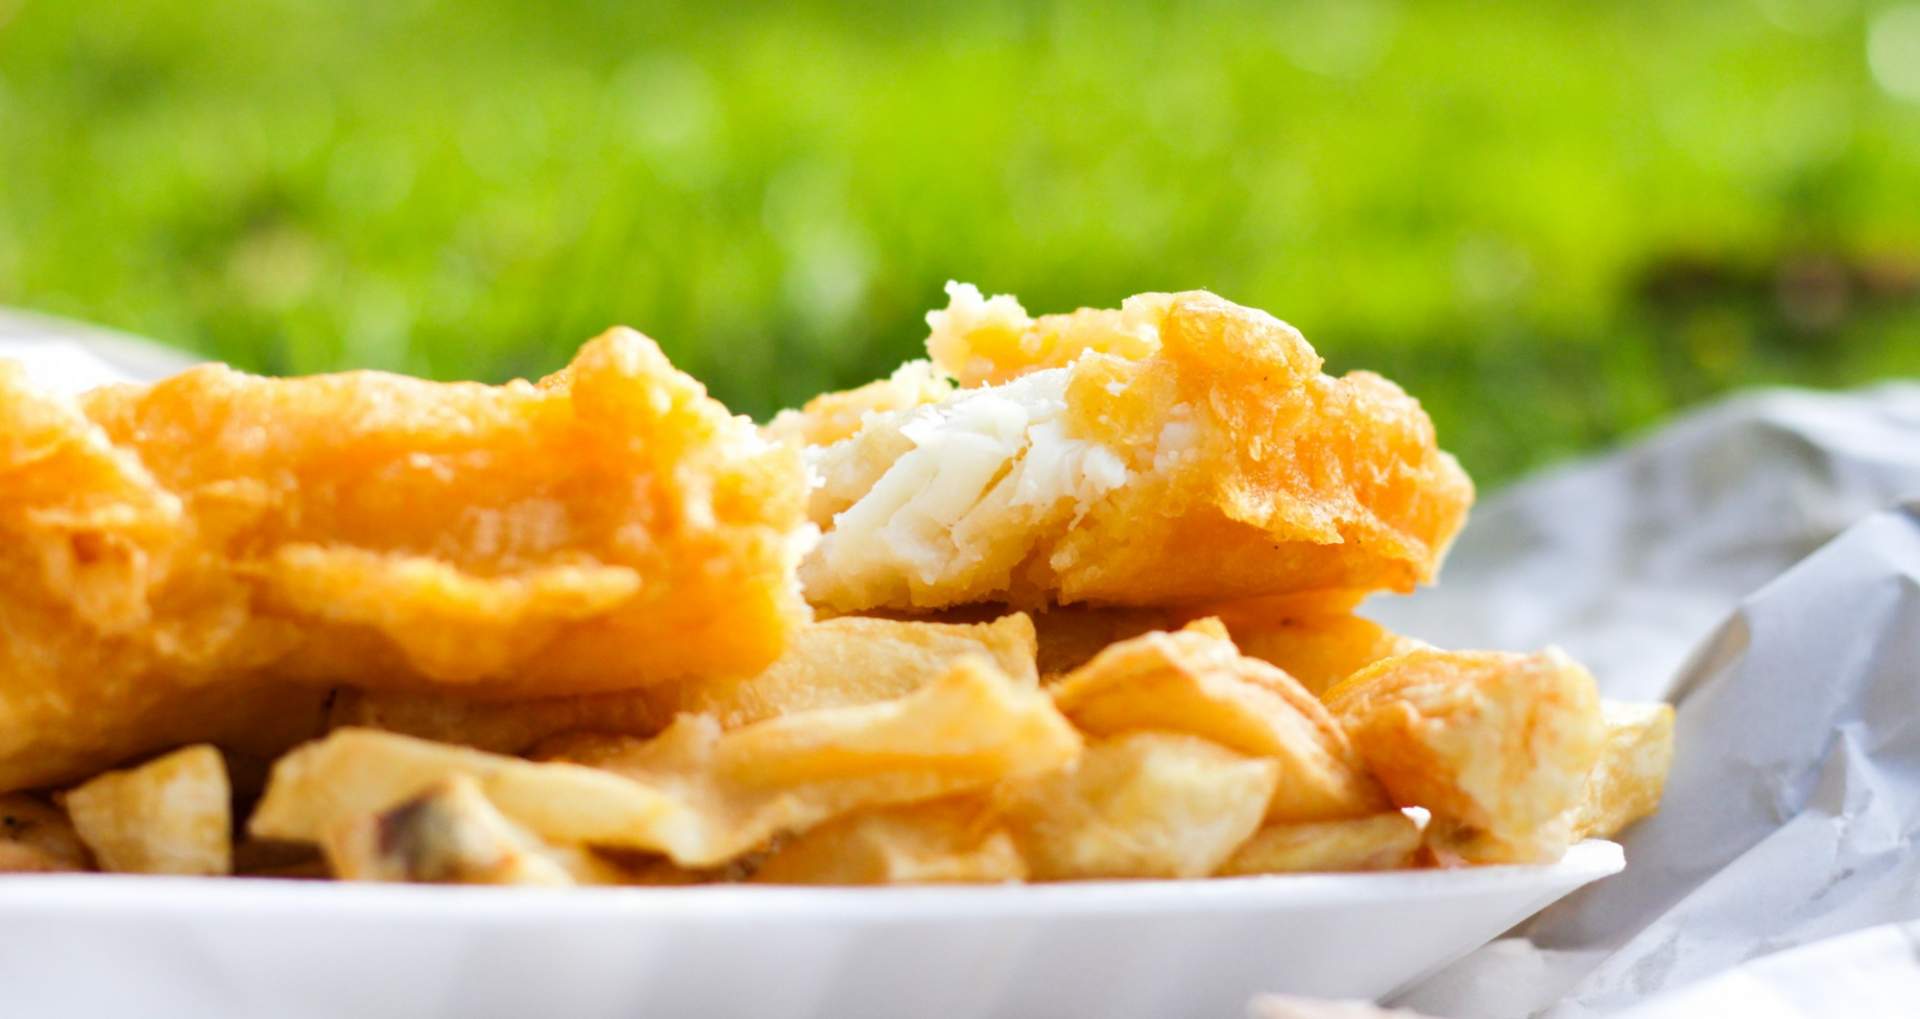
(1553, 222)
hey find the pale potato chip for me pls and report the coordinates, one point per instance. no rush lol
(944, 841)
(698, 794)
(1317, 648)
(835, 663)
(1195, 682)
(1384, 841)
(1140, 805)
(1626, 784)
(1496, 745)
(172, 815)
(37, 837)
(450, 834)
(355, 772)
(970, 729)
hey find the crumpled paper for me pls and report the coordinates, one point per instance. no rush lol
(1792, 811)
(1780, 877)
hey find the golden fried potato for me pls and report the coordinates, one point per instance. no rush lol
(967, 731)
(1183, 450)
(1496, 745)
(835, 663)
(171, 550)
(449, 834)
(1140, 805)
(36, 837)
(941, 842)
(1315, 644)
(698, 794)
(1385, 841)
(1195, 682)
(358, 772)
(1626, 784)
(171, 815)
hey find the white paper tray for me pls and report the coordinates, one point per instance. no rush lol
(95, 945)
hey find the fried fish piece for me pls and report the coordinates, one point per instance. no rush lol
(1498, 746)
(830, 417)
(834, 663)
(1182, 449)
(169, 551)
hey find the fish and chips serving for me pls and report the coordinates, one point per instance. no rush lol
(1077, 597)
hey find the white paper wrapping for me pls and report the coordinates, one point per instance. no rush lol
(1792, 810)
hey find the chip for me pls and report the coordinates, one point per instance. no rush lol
(941, 842)
(1496, 745)
(1195, 682)
(172, 815)
(450, 834)
(1318, 648)
(1384, 841)
(839, 662)
(36, 837)
(699, 794)
(1140, 805)
(1626, 785)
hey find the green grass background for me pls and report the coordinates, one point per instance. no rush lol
(1554, 222)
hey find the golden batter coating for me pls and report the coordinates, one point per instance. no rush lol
(173, 557)
(1181, 450)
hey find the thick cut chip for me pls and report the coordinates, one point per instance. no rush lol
(1182, 450)
(171, 815)
(1384, 841)
(36, 837)
(1195, 682)
(1626, 784)
(450, 834)
(836, 663)
(696, 793)
(358, 772)
(172, 550)
(943, 842)
(1316, 644)
(1497, 746)
(1142, 805)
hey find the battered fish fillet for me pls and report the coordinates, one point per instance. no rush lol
(197, 558)
(1181, 449)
